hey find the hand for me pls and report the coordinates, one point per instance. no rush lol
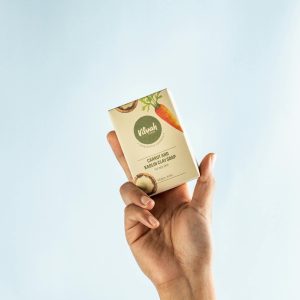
(172, 243)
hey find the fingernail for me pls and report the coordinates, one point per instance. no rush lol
(213, 158)
(153, 221)
(146, 200)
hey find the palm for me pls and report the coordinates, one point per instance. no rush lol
(172, 249)
(181, 244)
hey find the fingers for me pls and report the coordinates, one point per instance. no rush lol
(138, 218)
(135, 215)
(138, 203)
(116, 147)
(130, 193)
(137, 222)
(203, 192)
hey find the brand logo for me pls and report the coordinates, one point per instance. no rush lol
(147, 129)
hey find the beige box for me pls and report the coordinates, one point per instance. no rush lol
(154, 143)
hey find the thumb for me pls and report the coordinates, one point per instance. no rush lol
(203, 192)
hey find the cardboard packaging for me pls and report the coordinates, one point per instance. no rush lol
(154, 143)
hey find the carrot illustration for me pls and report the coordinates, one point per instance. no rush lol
(160, 109)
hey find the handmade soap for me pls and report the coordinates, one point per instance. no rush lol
(154, 143)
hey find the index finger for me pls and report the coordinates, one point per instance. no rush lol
(116, 148)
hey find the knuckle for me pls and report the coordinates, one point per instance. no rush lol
(213, 180)
(207, 182)
(210, 180)
(124, 187)
(128, 208)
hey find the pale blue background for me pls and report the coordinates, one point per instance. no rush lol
(233, 67)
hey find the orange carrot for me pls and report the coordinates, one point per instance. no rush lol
(167, 115)
(160, 109)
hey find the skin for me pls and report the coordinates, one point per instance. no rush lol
(170, 234)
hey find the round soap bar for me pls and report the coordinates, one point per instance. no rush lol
(146, 182)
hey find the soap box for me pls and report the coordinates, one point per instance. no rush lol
(154, 143)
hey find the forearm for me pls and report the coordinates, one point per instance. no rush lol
(197, 287)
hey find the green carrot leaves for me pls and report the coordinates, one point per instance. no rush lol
(151, 100)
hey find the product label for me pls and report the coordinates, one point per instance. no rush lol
(147, 129)
(154, 143)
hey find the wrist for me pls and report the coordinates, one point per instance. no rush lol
(198, 286)
(178, 288)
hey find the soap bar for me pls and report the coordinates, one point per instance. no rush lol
(154, 143)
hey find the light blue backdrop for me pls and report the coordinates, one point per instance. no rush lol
(233, 67)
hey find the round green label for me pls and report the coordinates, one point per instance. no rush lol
(147, 129)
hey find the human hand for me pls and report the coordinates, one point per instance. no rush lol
(172, 243)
